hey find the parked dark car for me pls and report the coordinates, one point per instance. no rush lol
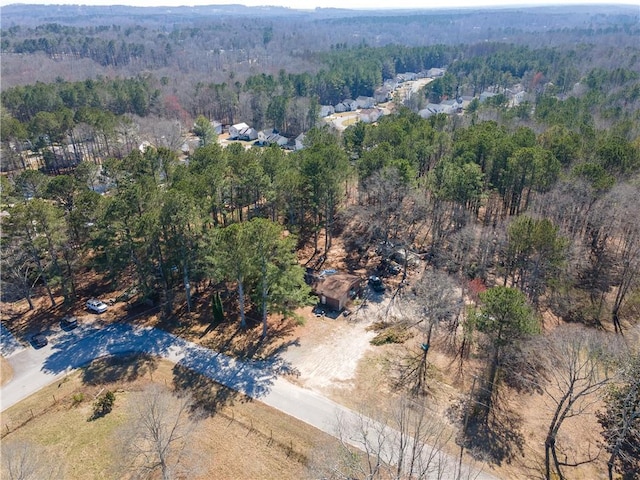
(376, 284)
(39, 340)
(69, 323)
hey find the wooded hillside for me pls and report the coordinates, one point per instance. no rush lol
(525, 198)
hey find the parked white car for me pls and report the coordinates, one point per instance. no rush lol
(96, 305)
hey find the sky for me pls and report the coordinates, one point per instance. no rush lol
(353, 4)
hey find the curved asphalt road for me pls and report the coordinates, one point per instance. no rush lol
(35, 369)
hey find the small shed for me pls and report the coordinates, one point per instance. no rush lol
(217, 127)
(336, 290)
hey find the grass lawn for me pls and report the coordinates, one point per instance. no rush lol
(5, 371)
(239, 439)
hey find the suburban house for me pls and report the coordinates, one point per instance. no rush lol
(382, 94)
(454, 105)
(299, 142)
(341, 108)
(390, 84)
(448, 107)
(346, 106)
(484, 96)
(269, 137)
(365, 102)
(352, 104)
(435, 72)
(406, 77)
(326, 110)
(335, 290)
(434, 109)
(370, 115)
(242, 131)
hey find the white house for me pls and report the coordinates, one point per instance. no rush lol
(300, 141)
(217, 127)
(242, 131)
(434, 109)
(234, 130)
(269, 137)
(248, 134)
(370, 115)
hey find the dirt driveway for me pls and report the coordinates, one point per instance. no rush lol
(329, 349)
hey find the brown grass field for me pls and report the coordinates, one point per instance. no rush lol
(239, 439)
(5, 371)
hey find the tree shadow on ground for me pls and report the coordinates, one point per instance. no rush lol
(244, 344)
(208, 395)
(125, 368)
(497, 440)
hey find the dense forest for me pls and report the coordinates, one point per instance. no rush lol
(530, 208)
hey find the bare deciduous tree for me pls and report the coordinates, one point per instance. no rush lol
(620, 420)
(578, 369)
(19, 273)
(157, 439)
(407, 443)
(435, 300)
(27, 461)
(626, 246)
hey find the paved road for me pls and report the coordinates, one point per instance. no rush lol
(261, 380)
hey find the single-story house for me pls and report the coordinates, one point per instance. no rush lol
(269, 137)
(336, 290)
(370, 115)
(299, 142)
(365, 102)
